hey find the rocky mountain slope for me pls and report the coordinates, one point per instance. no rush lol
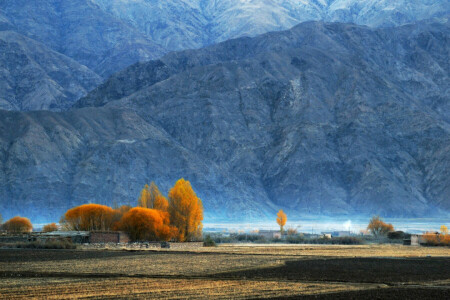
(182, 24)
(80, 30)
(323, 119)
(33, 77)
(106, 36)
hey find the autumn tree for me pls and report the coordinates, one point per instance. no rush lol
(118, 213)
(151, 197)
(88, 217)
(281, 219)
(50, 227)
(378, 227)
(18, 225)
(145, 224)
(444, 230)
(186, 211)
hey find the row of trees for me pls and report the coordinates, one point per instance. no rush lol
(438, 238)
(177, 217)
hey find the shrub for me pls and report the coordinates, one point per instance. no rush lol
(396, 235)
(209, 242)
(50, 227)
(60, 244)
(291, 231)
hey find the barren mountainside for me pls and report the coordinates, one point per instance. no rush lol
(322, 119)
(182, 24)
(33, 77)
(106, 36)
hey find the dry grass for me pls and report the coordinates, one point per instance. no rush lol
(231, 271)
(163, 288)
(387, 250)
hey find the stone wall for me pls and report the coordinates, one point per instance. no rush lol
(143, 246)
(14, 238)
(108, 237)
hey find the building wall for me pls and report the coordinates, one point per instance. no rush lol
(104, 237)
(123, 238)
(97, 237)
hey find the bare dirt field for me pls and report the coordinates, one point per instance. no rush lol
(232, 271)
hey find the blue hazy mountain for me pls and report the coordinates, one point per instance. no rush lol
(105, 36)
(322, 119)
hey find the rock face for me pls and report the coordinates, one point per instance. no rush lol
(182, 24)
(106, 36)
(33, 77)
(80, 30)
(323, 119)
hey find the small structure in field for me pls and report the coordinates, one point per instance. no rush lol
(103, 237)
(414, 240)
(336, 233)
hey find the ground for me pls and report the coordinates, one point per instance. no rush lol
(233, 271)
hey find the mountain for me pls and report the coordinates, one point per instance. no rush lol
(183, 24)
(322, 119)
(33, 77)
(106, 36)
(80, 30)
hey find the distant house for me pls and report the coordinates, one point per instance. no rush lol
(270, 234)
(326, 235)
(336, 233)
(415, 240)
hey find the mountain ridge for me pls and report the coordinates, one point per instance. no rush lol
(323, 119)
(107, 36)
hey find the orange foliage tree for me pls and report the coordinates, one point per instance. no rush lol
(378, 227)
(118, 214)
(281, 219)
(186, 211)
(88, 217)
(436, 238)
(151, 197)
(145, 224)
(18, 225)
(50, 227)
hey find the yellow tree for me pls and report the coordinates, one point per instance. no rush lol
(444, 230)
(152, 198)
(378, 227)
(186, 211)
(281, 219)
